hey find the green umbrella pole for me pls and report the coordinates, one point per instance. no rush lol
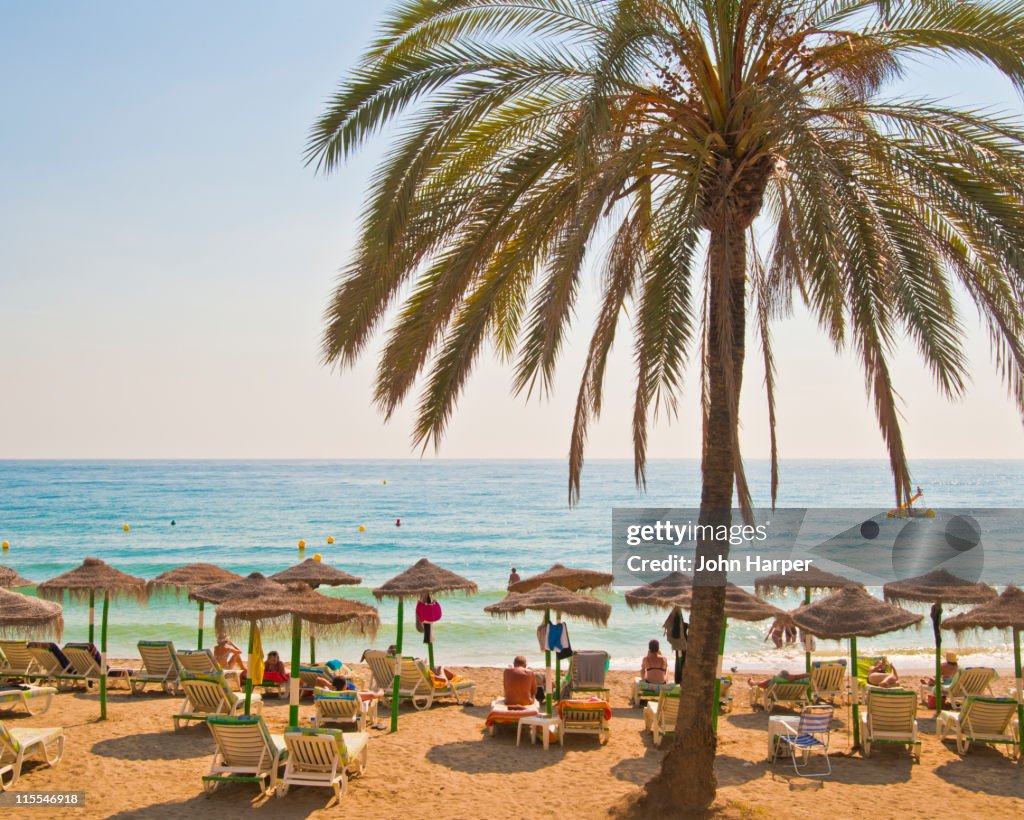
(103, 656)
(92, 617)
(248, 676)
(293, 683)
(1020, 692)
(312, 647)
(937, 621)
(854, 694)
(430, 651)
(807, 649)
(398, 667)
(199, 639)
(547, 666)
(718, 677)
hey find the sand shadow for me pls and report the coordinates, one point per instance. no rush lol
(735, 771)
(237, 800)
(181, 745)
(988, 771)
(637, 770)
(748, 720)
(494, 755)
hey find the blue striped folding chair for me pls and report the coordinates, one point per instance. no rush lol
(811, 735)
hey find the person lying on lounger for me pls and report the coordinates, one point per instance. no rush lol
(793, 677)
(883, 674)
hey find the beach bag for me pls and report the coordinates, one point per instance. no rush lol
(428, 611)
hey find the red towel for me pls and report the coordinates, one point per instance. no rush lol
(593, 704)
(510, 714)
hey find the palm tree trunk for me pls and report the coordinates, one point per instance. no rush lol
(686, 784)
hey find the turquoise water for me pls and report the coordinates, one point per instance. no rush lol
(477, 518)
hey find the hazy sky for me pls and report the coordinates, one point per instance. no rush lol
(165, 260)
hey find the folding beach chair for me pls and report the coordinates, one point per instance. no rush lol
(982, 720)
(809, 733)
(660, 716)
(890, 716)
(17, 745)
(588, 669)
(18, 661)
(828, 680)
(780, 690)
(643, 691)
(35, 699)
(584, 717)
(330, 706)
(207, 695)
(246, 753)
(159, 666)
(204, 662)
(323, 757)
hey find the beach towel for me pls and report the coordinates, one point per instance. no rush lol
(676, 630)
(590, 666)
(558, 638)
(589, 705)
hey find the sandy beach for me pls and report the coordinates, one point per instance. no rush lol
(442, 764)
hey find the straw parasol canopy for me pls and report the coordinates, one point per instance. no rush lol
(90, 577)
(852, 613)
(811, 578)
(315, 573)
(938, 587)
(275, 610)
(422, 578)
(567, 578)
(9, 579)
(1004, 612)
(660, 593)
(252, 585)
(23, 615)
(193, 576)
(550, 597)
(739, 605)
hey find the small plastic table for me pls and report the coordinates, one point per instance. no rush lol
(547, 726)
(780, 726)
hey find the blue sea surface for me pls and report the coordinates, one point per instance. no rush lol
(477, 518)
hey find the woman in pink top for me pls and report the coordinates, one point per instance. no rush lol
(654, 666)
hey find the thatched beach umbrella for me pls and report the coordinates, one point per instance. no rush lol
(422, 578)
(575, 580)
(314, 573)
(283, 613)
(938, 587)
(1004, 612)
(83, 582)
(251, 586)
(23, 615)
(809, 580)
(852, 613)
(547, 598)
(190, 577)
(10, 579)
(658, 595)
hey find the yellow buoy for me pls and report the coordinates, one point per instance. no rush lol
(317, 557)
(302, 545)
(330, 539)
(362, 528)
(126, 527)
(6, 545)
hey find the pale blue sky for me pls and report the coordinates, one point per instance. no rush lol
(165, 259)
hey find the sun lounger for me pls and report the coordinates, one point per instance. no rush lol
(982, 720)
(204, 662)
(323, 757)
(35, 699)
(588, 669)
(56, 665)
(346, 707)
(207, 695)
(418, 684)
(308, 676)
(643, 691)
(660, 716)
(780, 690)
(807, 734)
(889, 716)
(17, 745)
(971, 681)
(85, 660)
(159, 666)
(246, 753)
(18, 661)
(584, 717)
(504, 715)
(828, 680)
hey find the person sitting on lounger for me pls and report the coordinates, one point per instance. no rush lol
(654, 666)
(519, 683)
(883, 674)
(793, 677)
(274, 670)
(948, 669)
(228, 655)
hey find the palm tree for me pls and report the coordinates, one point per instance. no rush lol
(532, 128)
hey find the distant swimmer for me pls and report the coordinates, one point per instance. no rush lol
(398, 522)
(172, 522)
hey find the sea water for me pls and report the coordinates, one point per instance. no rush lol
(477, 518)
